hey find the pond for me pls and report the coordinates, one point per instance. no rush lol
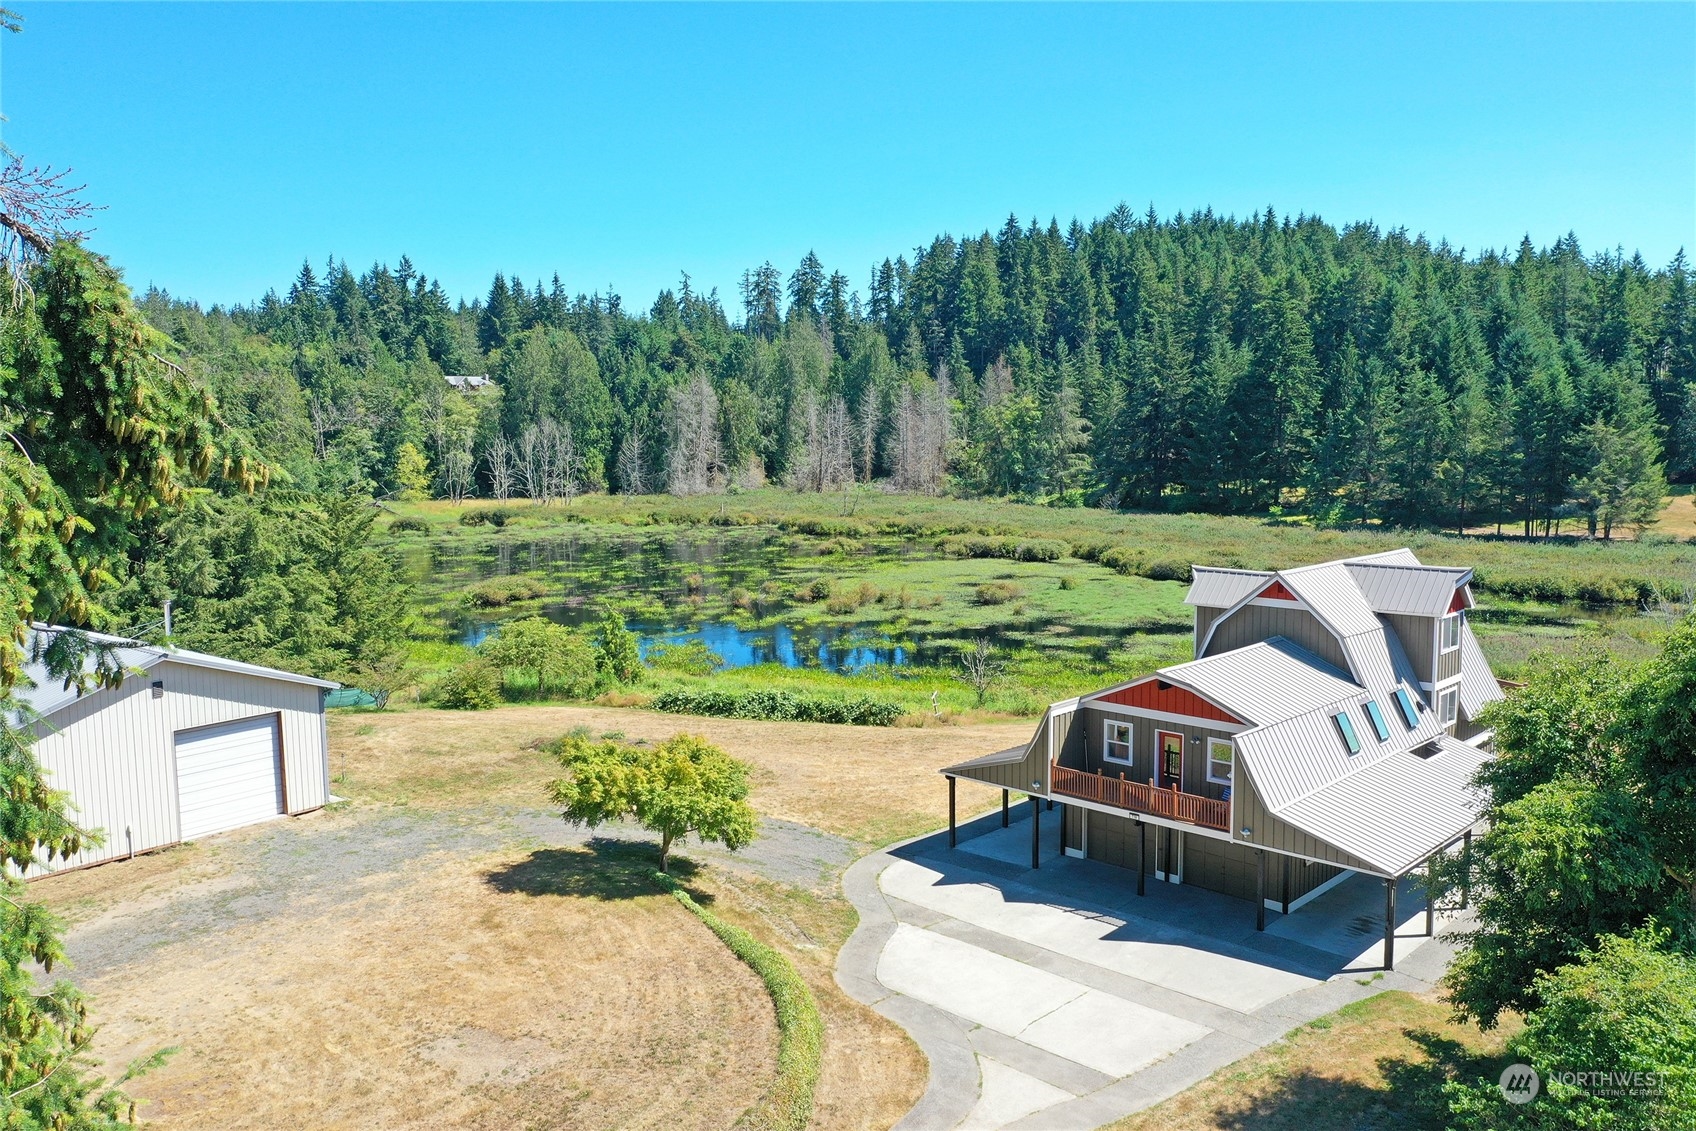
(826, 647)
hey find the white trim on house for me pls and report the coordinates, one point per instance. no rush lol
(1443, 622)
(1303, 900)
(1231, 760)
(1108, 742)
(1168, 717)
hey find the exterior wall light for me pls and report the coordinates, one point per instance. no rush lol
(1248, 833)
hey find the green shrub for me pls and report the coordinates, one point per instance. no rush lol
(559, 659)
(491, 516)
(1068, 582)
(618, 654)
(473, 686)
(409, 524)
(1166, 570)
(692, 658)
(816, 590)
(1003, 546)
(778, 706)
(787, 1105)
(495, 592)
(998, 593)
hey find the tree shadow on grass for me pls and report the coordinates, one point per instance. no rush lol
(1411, 1096)
(602, 868)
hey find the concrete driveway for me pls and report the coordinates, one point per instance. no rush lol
(1060, 1000)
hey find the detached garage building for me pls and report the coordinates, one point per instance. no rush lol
(187, 746)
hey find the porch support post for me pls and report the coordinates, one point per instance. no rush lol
(1004, 808)
(1260, 889)
(1431, 896)
(1390, 923)
(952, 835)
(1142, 857)
(1285, 899)
(1466, 870)
(1036, 831)
(1061, 823)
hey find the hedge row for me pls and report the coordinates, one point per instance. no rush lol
(787, 1105)
(1131, 562)
(1016, 549)
(779, 706)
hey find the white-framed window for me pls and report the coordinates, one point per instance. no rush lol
(1221, 759)
(1449, 632)
(1118, 744)
(1447, 704)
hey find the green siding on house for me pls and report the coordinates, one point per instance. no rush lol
(1208, 862)
(1448, 664)
(1019, 775)
(1417, 635)
(1252, 624)
(1090, 729)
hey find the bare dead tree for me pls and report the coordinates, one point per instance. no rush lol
(502, 462)
(980, 668)
(694, 456)
(633, 459)
(867, 419)
(532, 464)
(459, 468)
(923, 427)
(826, 460)
(37, 208)
(997, 382)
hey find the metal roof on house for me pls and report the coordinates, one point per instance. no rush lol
(1416, 590)
(1397, 811)
(1221, 588)
(1264, 682)
(1005, 757)
(44, 694)
(1477, 685)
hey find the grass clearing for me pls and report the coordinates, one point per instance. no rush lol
(440, 997)
(1380, 1062)
(874, 785)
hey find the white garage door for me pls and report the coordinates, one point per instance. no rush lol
(227, 776)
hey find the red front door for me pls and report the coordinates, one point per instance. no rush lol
(1171, 759)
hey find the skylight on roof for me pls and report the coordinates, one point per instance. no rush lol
(1345, 726)
(1405, 702)
(1375, 716)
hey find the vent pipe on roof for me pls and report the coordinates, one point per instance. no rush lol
(167, 618)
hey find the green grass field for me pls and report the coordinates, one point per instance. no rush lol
(869, 566)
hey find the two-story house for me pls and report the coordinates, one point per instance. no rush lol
(1327, 725)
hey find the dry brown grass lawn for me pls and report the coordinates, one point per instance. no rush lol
(511, 989)
(872, 784)
(1377, 1063)
(476, 994)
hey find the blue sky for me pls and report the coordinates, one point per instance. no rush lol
(622, 145)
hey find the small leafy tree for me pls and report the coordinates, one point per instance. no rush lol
(412, 471)
(618, 653)
(558, 657)
(683, 786)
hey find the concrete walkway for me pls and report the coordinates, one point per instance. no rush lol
(1058, 1000)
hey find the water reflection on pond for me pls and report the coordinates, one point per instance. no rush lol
(825, 647)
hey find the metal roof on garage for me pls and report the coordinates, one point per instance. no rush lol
(42, 694)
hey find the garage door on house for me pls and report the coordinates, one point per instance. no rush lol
(228, 776)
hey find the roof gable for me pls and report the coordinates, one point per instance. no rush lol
(1157, 694)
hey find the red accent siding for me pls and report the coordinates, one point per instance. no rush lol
(1276, 592)
(1150, 696)
(1459, 602)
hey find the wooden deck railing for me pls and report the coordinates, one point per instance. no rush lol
(1173, 804)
